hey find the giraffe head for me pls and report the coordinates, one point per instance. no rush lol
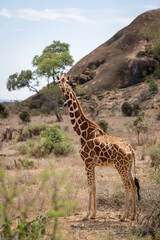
(63, 82)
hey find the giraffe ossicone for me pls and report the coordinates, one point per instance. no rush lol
(100, 149)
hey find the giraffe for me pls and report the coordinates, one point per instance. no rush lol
(100, 149)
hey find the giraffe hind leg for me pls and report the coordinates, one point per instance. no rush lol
(133, 190)
(126, 207)
(129, 187)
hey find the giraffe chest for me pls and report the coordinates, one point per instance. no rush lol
(98, 152)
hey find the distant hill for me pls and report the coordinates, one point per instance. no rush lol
(121, 61)
(5, 100)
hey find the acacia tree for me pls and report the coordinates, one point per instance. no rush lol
(53, 60)
(24, 79)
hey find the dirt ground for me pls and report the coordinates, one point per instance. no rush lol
(107, 225)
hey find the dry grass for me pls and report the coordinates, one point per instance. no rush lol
(107, 225)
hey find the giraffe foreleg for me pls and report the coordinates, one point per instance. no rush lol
(89, 204)
(90, 169)
(94, 203)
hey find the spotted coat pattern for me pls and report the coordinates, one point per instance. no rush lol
(100, 149)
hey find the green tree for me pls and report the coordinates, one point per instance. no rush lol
(24, 79)
(139, 126)
(53, 60)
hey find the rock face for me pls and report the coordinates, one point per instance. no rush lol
(119, 62)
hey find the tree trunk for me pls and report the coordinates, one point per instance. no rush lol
(59, 117)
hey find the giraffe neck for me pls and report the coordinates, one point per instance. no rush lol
(80, 122)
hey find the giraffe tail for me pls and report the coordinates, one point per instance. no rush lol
(136, 180)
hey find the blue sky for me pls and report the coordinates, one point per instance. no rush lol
(28, 26)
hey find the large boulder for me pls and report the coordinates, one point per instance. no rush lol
(120, 61)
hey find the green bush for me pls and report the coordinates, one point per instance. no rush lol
(136, 108)
(3, 111)
(92, 73)
(156, 50)
(57, 141)
(103, 125)
(127, 109)
(63, 148)
(26, 163)
(25, 116)
(35, 130)
(50, 140)
(152, 85)
(80, 91)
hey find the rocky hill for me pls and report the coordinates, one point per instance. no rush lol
(122, 60)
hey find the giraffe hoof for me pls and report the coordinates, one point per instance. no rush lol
(93, 217)
(132, 218)
(85, 219)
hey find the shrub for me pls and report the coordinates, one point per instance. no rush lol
(103, 125)
(92, 73)
(46, 110)
(3, 111)
(63, 148)
(154, 153)
(26, 163)
(25, 116)
(35, 130)
(80, 91)
(136, 108)
(127, 109)
(156, 50)
(56, 140)
(50, 140)
(152, 85)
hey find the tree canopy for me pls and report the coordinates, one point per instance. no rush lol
(53, 60)
(24, 79)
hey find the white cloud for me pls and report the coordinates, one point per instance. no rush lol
(150, 7)
(4, 12)
(46, 14)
